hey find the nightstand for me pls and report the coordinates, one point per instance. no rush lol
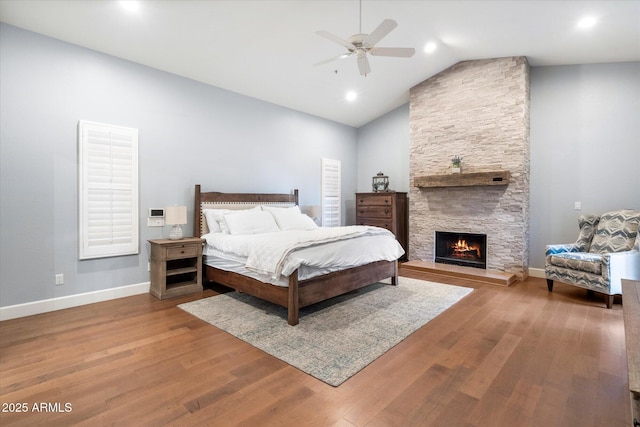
(176, 267)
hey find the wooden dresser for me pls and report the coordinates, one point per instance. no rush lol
(631, 313)
(388, 210)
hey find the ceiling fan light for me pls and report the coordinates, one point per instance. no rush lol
(360, 45)
(351, 96)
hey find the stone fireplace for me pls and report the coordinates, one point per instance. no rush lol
(478, 110)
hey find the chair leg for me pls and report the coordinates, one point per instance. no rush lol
(609, 300)
(550, 285)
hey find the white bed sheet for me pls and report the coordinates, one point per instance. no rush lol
(310, 261)
(239, 267)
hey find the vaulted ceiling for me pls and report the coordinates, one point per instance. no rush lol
(269, 49)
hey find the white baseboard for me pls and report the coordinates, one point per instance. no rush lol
(44, 306)
(536, 272)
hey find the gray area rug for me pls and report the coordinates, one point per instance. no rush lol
(337, 338)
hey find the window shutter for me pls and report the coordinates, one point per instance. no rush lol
(108, 190)
(331, 199)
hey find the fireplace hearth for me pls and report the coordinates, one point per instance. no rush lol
(466, 249)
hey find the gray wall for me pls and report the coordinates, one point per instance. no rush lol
(585, 147)
(190, 133)
(383, 146)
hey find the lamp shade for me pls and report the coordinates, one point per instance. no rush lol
(176, 215)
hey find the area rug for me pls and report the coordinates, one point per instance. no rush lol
(337, 338)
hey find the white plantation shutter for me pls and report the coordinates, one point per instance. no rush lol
(331, 199)
(108, 181)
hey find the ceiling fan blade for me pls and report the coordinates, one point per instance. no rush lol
(382, 30)
(363, 64)
(335, 58)
(402, 52)
(335, 39)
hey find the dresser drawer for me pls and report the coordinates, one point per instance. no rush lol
(387, 210)
(182, 251)
(369, 200)
(377, 222)
(374, 211)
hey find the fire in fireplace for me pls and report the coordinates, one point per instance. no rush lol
(466, 249)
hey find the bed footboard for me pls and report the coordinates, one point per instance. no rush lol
(338, 283)
(304, 293)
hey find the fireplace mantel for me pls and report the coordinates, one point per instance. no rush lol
(472, 179)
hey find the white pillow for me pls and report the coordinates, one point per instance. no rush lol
(250, 222)
(215, 218)
(291, 218)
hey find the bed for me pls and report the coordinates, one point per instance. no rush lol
(293, 290)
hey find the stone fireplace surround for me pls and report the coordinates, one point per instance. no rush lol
(478, 110)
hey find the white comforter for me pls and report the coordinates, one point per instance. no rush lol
(280, 253)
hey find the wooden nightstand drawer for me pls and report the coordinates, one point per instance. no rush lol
(366, 200)
(182, 251)
(374, 211)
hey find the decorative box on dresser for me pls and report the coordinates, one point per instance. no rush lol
(176, 267)
(388, 210)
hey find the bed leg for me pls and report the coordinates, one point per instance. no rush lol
(394, 278)
(293, 305)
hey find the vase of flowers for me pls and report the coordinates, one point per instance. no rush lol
(456, 164)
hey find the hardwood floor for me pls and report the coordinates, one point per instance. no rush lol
(516, 356)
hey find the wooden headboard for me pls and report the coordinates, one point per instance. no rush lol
(216, 200)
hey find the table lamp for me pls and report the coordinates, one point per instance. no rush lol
(176, 216)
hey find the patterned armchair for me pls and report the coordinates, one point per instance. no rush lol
(607, 250)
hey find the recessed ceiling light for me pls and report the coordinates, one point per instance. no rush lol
(430, 47)
(130, 5)
(351, 96)
(587, 22)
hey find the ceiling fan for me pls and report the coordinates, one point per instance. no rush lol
(359, 45)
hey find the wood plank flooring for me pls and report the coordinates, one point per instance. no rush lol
(503, 356)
